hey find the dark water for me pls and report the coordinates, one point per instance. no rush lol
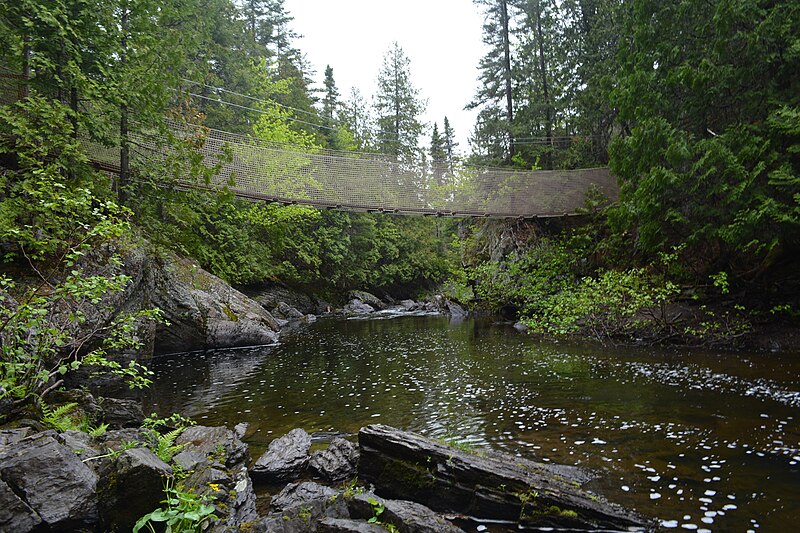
(703, 441)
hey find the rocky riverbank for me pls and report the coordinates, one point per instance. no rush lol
(390, 480)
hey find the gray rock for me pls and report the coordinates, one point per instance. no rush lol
(15, 515)
(408, 466)
(203, 311)
(408, 517)
(51, 481)
(285, 459)
(519, 326)
(200, 480)
(357, 307)
(336, 463)
(189, 461)
(299, 493)
(120, 414)
(240, 429)
(409, 305)
(367, 298)
(287, 312)
(9, 437)
(347, 525)
(79, 443)
(455, 310)
(214, 440)
(132, 486)
(301, 507)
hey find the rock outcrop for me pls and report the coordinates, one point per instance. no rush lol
(203, 311)
(404, 465)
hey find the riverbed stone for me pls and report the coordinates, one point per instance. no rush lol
(348, 525)
(357, 307)
(132, 486)
(15, 514)
(298, 493)
(455, 310)
(287, 312)
(213, 441)
(337, 462)
(407, 466)
(52, 481)
(299, 507)
(286, 458)
(406, 516)
(121, 413)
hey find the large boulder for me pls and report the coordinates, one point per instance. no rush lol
(272, 296)
(367, 298)
(203, 311)
(337, 462)
(286, 458)
(49, 480)
(132, 486)
(408, 466)
(218, 442)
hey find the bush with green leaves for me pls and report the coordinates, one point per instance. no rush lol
(55, 212)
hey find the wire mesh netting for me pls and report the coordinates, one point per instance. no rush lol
(260, 170)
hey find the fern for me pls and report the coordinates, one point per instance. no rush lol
(57, 417)
(164, 445)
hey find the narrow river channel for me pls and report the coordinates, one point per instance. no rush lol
(701, 440)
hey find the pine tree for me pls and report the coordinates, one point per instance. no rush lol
(494, 130)
(450, 144)
(398, 106)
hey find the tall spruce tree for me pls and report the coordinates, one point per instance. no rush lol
(398, 106)
(494, 136)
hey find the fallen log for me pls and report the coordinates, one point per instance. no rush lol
(403, 465)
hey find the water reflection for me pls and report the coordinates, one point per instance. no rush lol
(704, 441)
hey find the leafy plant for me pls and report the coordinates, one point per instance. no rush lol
(183, 512)
(161, 433)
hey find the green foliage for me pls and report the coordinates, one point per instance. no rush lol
(711, 154)
(603, 306)
(183, 512)
(63, 418)
(55, 213)
(161, 433)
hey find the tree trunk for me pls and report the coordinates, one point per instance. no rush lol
(507, 76)
(124, 148)
(548, 125)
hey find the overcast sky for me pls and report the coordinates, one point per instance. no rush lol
(442, 38)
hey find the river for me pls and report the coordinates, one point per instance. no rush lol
(702, 440)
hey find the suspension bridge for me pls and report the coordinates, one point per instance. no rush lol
(266, 171)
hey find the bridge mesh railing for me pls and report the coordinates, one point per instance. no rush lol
(256, 169)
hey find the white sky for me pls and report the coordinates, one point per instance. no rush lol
(442, 39)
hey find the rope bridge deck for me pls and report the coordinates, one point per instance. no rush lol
(258, 170)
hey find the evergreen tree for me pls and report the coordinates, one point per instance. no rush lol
(450, 144)
(493, 137)
(398, 106)
(354, 115)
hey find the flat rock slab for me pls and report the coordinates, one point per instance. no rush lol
(407, 466)
(286, 458)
